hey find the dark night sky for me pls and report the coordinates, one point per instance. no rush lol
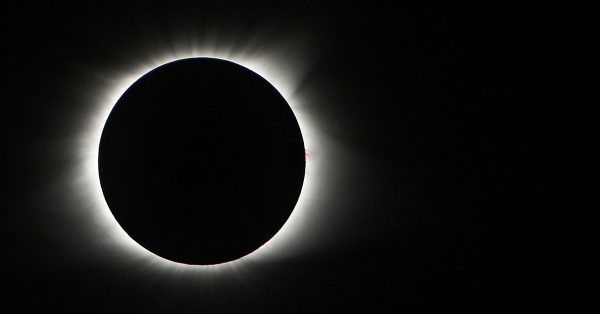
(460, 178)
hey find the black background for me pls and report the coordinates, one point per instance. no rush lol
(464, 179)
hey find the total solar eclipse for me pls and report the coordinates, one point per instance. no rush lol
(201, 161)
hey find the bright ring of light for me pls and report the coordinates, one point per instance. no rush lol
(89, 182)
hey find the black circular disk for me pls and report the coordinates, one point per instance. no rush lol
(201, 161)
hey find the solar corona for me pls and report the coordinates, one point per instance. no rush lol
(285, 228)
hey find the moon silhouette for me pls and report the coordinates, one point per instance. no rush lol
(201, 161)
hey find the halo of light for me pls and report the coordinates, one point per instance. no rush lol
(87, 182)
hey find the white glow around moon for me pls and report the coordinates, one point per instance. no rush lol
(281, 73)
